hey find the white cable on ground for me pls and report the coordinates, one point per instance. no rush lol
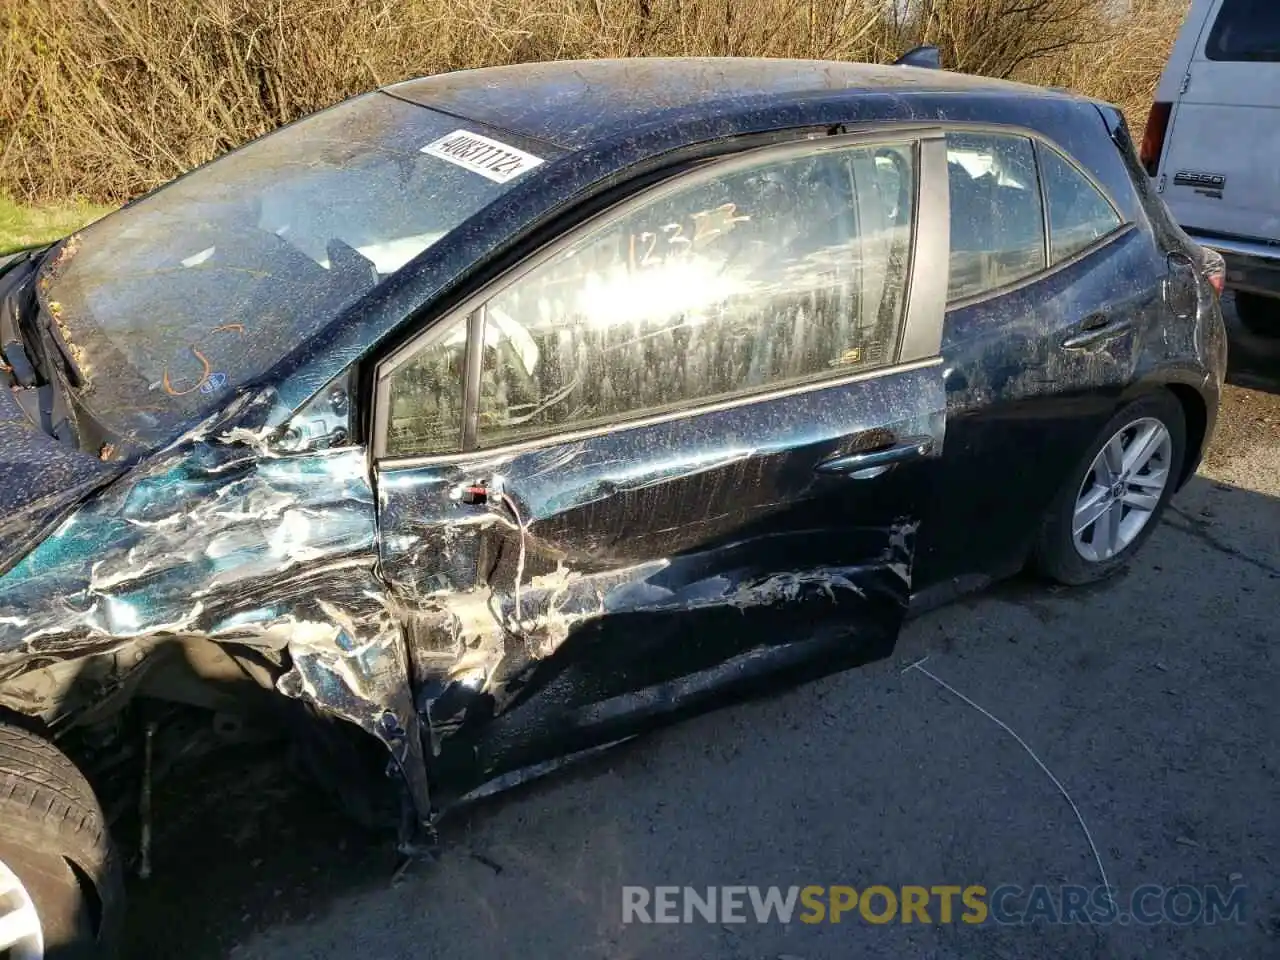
(919, 665)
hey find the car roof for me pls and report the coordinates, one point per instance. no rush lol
(602, 124)
(576, 103)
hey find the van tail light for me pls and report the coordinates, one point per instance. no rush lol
(1153, 136)
(1214, 269)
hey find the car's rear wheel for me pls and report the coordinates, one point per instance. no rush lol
(1116, 494)
(61, 891)
(1259, 314)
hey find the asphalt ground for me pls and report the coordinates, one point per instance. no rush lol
(1150, 705)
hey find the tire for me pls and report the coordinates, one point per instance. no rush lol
(54, 841)
(1055, 553)
(1260, 315)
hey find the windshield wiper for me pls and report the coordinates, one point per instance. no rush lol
(51, 335)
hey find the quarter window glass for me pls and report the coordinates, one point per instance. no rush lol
(779, 274)
(997, 224)
(1246, 30)
(1078, 213)
(425, 414)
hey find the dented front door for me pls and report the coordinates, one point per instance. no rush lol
(676, 459)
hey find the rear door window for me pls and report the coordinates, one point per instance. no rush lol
(997, 222)
(1246, 30)
(1078, 213)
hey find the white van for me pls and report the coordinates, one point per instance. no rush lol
(1212, 145)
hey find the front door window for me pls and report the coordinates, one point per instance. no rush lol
(720, 285)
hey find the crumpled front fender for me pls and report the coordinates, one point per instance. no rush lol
(221, 538)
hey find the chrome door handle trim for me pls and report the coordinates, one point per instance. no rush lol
(1097, 335)
(865, 465)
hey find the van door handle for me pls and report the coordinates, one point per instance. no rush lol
(872, 463)
(1095, 329)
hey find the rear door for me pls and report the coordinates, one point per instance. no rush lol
(1219, 172)
(675, 458)
(1051, 291)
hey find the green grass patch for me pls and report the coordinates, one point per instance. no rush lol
(27, 226)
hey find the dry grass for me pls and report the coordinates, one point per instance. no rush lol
(1123, 63)
(108, 98)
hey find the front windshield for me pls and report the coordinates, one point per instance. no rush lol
(173, 302)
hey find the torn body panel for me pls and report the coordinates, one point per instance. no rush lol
(608, 583)
(589, 598)
(217, 538)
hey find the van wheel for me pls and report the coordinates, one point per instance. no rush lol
(61, 890)
(1116, 494)
(1259, 314)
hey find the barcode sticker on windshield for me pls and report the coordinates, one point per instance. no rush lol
(489, 158)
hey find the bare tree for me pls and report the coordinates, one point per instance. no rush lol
(997, 37)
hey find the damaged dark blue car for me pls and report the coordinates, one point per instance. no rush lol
(498, 416)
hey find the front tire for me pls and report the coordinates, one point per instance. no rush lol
(1116, 494)
(61, 890)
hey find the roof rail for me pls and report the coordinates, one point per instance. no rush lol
(924, 56)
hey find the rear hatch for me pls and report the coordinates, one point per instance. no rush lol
(1220, 172)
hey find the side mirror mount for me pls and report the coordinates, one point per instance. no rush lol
(326, 420)
(925, 56)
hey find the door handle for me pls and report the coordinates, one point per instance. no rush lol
(1095, 329)
(871, 463)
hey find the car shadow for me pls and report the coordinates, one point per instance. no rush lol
(241, 842)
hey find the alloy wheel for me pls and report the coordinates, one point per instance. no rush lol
(1122, 489)
(21, 937)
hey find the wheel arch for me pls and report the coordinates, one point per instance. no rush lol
(23, 721)
(1195, 413)
(1187, 388)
